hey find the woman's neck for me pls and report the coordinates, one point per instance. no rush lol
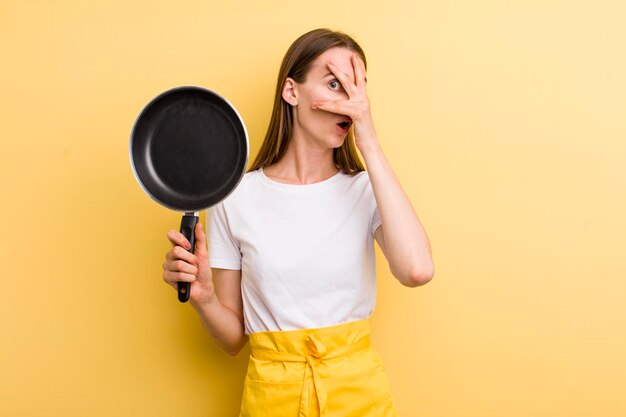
(302, 164)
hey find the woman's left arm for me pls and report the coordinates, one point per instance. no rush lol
(401, 237)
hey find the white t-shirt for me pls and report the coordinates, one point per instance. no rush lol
(306, 252)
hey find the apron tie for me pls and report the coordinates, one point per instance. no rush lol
(316, 353)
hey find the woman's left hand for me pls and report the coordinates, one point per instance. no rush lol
(357, 106)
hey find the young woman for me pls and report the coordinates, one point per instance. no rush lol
(290, 266)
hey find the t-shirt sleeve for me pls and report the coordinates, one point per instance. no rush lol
(376, 220)
(224, 250)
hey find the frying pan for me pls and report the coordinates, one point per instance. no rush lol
(188, 150)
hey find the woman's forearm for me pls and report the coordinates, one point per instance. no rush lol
(223, 324)
(407, 247)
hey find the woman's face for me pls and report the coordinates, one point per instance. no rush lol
(319, 126)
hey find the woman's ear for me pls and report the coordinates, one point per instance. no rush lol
(289, 92)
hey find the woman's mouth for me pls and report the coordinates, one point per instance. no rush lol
(344, 126)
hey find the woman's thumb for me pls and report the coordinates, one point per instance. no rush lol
(200, 239)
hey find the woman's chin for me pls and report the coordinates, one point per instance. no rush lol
(339, 143)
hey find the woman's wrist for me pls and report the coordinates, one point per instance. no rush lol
(369, 149)
(210, 301)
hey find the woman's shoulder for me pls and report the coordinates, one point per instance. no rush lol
(361, 177)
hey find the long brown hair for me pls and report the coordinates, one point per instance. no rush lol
(295, 65)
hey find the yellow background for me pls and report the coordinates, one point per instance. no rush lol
(504, 121)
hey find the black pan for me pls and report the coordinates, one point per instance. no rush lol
(189, 150)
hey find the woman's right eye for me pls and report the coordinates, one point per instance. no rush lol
(334, 85)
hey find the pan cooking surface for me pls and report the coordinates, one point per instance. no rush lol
(189, 149)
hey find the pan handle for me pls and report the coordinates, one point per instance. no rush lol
(187, 228)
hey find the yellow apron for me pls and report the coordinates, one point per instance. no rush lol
(323, 372)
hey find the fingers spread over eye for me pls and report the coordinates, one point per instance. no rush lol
(359, 69)
(343, 78)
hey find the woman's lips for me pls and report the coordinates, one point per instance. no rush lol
(344, 126)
